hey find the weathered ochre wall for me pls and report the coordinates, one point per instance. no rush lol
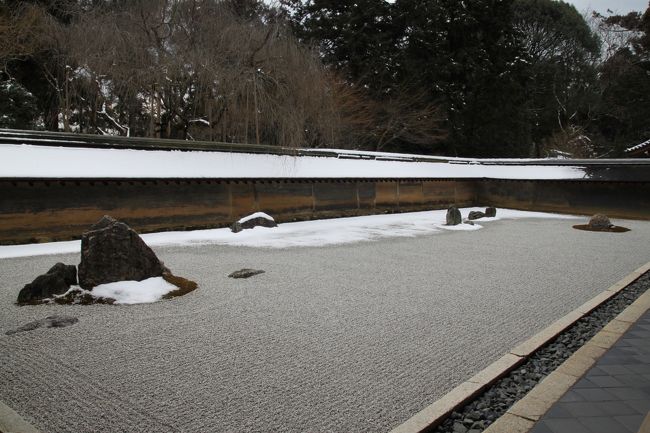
(45, 210)
(615, 199)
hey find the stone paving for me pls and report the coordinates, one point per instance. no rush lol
(613, 396)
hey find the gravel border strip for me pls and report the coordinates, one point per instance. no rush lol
(475, 404)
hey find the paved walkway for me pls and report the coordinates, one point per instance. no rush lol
(614, 395)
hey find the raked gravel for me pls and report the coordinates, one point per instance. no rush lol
(351, 338)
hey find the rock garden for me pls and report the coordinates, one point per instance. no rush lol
(115, 262)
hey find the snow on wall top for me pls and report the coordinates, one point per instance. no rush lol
(28, 161)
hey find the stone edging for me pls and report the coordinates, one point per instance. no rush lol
(11, 422)
(521, 417)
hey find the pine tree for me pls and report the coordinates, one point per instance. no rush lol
(356, 37)
(467, 55)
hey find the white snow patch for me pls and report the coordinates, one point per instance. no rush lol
(61, 162)
(135, 292)
(256, 215)
(463, 227)
(301, 234)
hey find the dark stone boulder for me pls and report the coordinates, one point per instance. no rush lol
(111, 251)
(55, 282)
(600, 221)
(453, 216)
(490, 212)
(258, 219)
(48, 322)
(245, 273)
(474, 215)
(69, 272)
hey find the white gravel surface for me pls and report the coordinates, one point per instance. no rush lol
(348, 338)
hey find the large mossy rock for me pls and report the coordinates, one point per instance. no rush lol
(453, 216)
(56, 281)
(111, 251)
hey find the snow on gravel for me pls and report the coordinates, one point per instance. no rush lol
(135, 292)
(61, 162)
(300, 234)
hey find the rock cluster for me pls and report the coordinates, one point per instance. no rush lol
(454, 216)
(110, 251)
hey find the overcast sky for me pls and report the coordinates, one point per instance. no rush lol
(618, 6)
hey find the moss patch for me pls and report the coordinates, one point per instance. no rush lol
(613, 229)
(184, 285)
(81, 297)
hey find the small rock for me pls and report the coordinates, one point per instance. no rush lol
(257, 219)
(459, 428)
(474, 215)
(453, 216)
(48, 322)
(600, 221)
(55, 282)
(468, 222)
(490, 212)
(245, 273)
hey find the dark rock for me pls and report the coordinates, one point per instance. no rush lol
(69, 272)
(245, 273)
(490, 212)
(459, 428)
(48, 322)
(600, 221)
(258, 219)
(474, 215)
(453, 216)
(104, 222)
(55, 282)
(111, 251)
(468, 222)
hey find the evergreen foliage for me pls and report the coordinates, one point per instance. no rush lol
(487, 78)
(624, 105)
